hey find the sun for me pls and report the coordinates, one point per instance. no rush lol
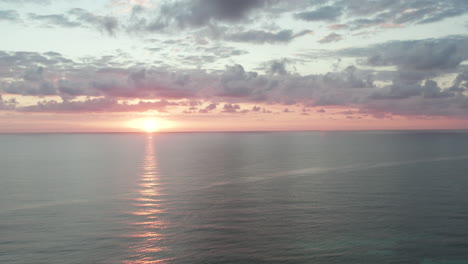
(150, 126)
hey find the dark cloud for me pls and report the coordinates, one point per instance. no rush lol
(208, 108)
(261, 37)
(24, 60)
(7, 104)
(461, 82)
(332, 37)
(451, 9)
(415, 59)
(277, 67)
(40, 74)
(231, 108)
(78, 17)
(107, 24)
(370, 13)
(322, 13)
(256, 109)
(96, 105)
(199, 13)
(214, 19)
(9, 15)
(218, 15)
(26, 88)
(213, 14)
(55, 20)
(399, 90)
(234, 83)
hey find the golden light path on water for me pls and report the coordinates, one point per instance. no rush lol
(148, 208)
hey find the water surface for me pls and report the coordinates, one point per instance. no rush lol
(303, 197)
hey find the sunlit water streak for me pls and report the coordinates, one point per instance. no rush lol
(149, 246)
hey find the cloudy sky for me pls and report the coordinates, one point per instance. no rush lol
(225, 65)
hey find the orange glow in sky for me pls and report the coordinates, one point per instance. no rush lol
(151, 125)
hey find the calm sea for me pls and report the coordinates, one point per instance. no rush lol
(303, 197)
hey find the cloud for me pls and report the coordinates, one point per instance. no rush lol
(107, 85)
(96, 105)
(370, 13)
(25, 88)
(277, 67)
(256, 109)
(55, 19)
(199, 13)
(332, 37)
(78, 17)
(261, 37)
(218, 15)
(9, 15)
(231, 108)
(322, 13)
(7, 104)
(415, 59)
(461, 82)
(399, 90)
(107, 24)
(214, 19)
(208, 108)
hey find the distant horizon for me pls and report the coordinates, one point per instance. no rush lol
(239, 131)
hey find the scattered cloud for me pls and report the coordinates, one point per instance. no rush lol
(208, 108)
(415, 59)
(78, 17)
(332, 37)
(7, 104)
(107, 24)
(55, 20)
(96, 105)
(199, 13)
(231, 108)
(9, 15)
(322, 13)
(262, 37)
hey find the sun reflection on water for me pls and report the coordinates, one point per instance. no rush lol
(149, 245)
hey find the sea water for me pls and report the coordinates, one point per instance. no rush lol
(283, 197)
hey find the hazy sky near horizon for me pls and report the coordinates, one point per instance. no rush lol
(207, 65)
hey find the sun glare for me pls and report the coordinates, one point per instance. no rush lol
(150, 126)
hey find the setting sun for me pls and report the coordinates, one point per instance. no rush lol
(150, 126)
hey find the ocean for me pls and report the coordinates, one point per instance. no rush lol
(260, 197)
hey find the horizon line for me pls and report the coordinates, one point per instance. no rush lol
(240, 131)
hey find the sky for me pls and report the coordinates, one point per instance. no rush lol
(223, 65)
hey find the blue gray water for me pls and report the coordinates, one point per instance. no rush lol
(304, 197)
